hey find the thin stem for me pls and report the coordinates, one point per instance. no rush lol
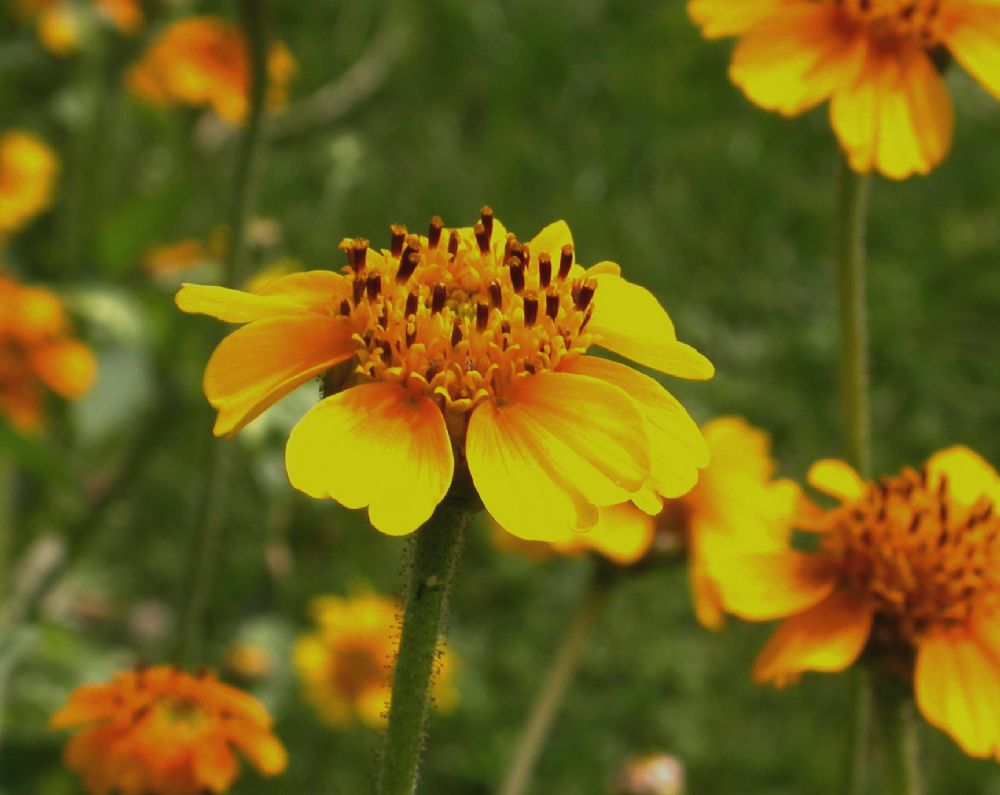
(553, 692)
(8, 484)
(858, 747)
(211, 508)
(894, 716)
(436, 552)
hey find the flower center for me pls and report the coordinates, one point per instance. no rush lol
(926, 559)
(461, 316)
(896, 19)
(354, 669)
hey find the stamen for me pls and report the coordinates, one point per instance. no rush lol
(373, 286)
(544, 270)
(411, 332)
(359, 289)
(408, 262)
(453, 241)
(456, 334)
(434, 231)
(517, 275)
(586, 292)
(486, 215)
(358, 254)
(482, 237)
(508, 246)
(345, 307)
(398, 235)
(565, 261)
(482, 316)
(438, 298)
(552, 304)
(496, 296)
(412, 301)
(530, 311)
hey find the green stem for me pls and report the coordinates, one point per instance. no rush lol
(857, 749)
(895, 719)
(436, 552)
(553, 692)
(8, 484)
(211, 508)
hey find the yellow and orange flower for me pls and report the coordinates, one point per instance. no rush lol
(875, 60)
(463, 355)
(202, 61)
(28, 170)
(907, 570)
(35, 351)
(160, 731)
(61, 23)
(346, 664)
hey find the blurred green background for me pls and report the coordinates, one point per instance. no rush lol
(612, 114)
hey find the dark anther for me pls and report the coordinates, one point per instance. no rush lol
(437, 298)
(508, 246)
(552, 304)
(408, 262)
(505, 327)
(453, 241)
(397, 236)
(915, 522)
(373, 286)
(530, 311)
(345, 307)
(520, 251)
(496, 296)
(412, 301)
(383, 319)
(482, 316)
(357, 253)
(585, 294)
(386, 349)
(544, 270)
(482, 237)
(586, 320)
(517, 275)
(565, 261)
(434, 231)
(456, 335)
(486, 215)
(359, 289)
(530, 368)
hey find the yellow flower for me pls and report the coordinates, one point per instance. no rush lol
(346, 664)
(462, 354)
(907, 569)
(28, 170)
(61, 22)
(202, 61)
(172, 258)
(163, 732)
(875, 60)
(36, 350)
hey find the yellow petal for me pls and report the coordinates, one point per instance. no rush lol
(372, 445)
(295, 294)
(557, 448)
(720, 18)
(705, 594)
(677, 448)
(969, 476)
(836, 478)
(67, 366)
(797, 58)
(971, 31)
(623, 533)
(827, 637)
(259, 364)
(260, 747)
(628, 320)
(550, 241)
(214, 763)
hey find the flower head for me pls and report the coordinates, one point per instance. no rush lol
(907, 570)
(875, 60)
(35, 351)
(346, 663)
(160, 731)
(28, 170)
(61, 23)
(202, 61)
(465, 351)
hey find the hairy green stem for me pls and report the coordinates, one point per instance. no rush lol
(435, 556)
(555, 686)
(897, 728)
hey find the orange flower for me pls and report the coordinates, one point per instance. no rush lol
(346, 665)
(61, 23)
(202, 61)
(36, 350)
(464, 350)
(875, 60)
(908, 570)
(163, 732)
(28, 170)
(170, 259)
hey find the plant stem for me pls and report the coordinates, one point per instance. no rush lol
(8, 484)
(858, 746)
(557, 682)
(211, 508)
(436, 552)
(894, 716)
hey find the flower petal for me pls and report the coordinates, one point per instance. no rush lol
(971, 31)
(550, 241)
(372, 445)
(554, 449)
(261, 748)
(896, 116)
(677, 449)
(797, 58)
(628, 320)
(259, 364)
(213, 763)
(705, 594)
(969, 476)
(623, 533)
(836, 478)
(295, 294)
(827, 637)
(720, 18)
(67, 366)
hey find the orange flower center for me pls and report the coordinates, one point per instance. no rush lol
(896, 19)
(354, 669)
(925, 559)
(462, 317)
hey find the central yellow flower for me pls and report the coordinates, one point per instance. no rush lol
(468, 348)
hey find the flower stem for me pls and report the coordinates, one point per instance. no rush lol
(8, 483)
(211, 509)
(894, 716)
(557, 682)
(857, 748)
(435, 554)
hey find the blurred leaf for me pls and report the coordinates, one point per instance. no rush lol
(35, 455)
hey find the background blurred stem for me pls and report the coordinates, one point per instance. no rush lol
(212, 505)
(895, 719)
(8, 485)
(858, 748)
(557, 682)
(436, 552)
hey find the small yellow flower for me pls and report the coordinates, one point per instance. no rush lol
(163, 732)
(35, 351)
(463, 355)
(346, 664)
(873, 59)
(907, 570)
(28, 170)
(202, 61)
